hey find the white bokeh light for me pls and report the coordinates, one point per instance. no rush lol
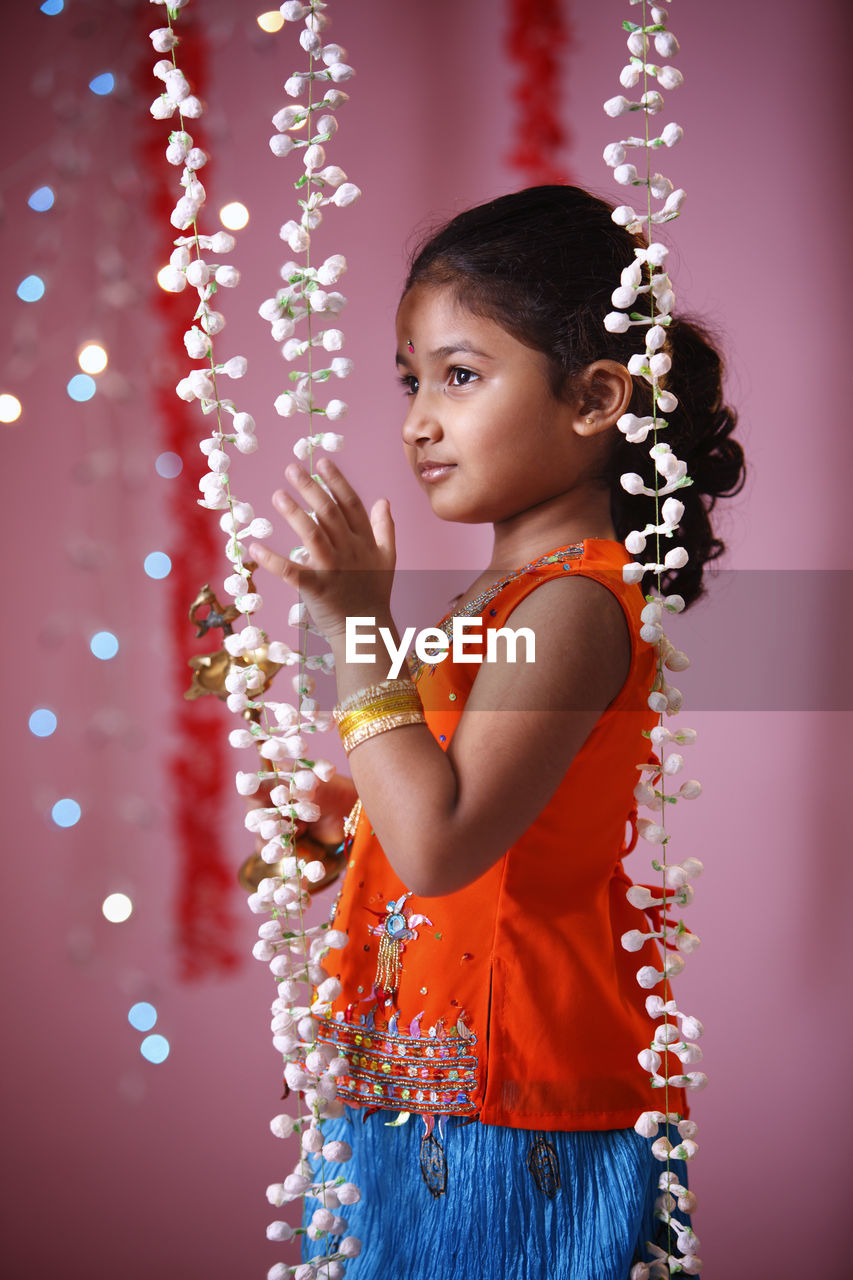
(117, 908)
(234, 216)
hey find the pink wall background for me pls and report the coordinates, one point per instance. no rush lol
(117, 1166)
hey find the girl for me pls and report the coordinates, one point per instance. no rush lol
(489, 1015)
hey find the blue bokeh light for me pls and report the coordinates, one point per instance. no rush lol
(66, 812)
(81, 387)
(42, 722)
(142, 1016)
(104, 645)
(168, 465)
(51, 7)
(30, 289)
(103, 84)
(157, 565)
(42, 199)
(155, 1048)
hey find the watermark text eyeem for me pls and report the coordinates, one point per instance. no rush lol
(464, 644)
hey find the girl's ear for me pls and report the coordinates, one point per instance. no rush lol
(606, 388)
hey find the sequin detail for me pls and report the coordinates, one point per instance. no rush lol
(398, 927)
(433, 1074)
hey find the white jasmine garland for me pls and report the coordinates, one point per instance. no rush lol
(279, 733)
(309, 292)
(647, 277)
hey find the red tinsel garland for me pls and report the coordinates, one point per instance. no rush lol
(204, 936)
(535, 40)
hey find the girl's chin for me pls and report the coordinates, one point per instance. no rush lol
(456, 512)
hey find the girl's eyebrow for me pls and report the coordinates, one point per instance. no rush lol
(451, 349)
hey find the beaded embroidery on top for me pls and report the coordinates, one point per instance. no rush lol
(433, 1074)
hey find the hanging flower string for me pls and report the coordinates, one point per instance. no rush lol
(308, 299)
(278, 730)
(673, 1049)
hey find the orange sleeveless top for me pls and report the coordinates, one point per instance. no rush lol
(515, 1002)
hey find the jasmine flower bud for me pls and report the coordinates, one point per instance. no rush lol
(163, 39)
(310, 41)
(652, 102)
(176, 153)
(339, 71)
(617, 106)
(212, 322)
(315, 157)
(617, 322)
(162, 108)
(625, 174)
(333, 175)
(198, 274)
(623, 296)
(222, 242)
(669, 77)
(295, 85)
(172, 280)
(660, 186)
(295, 236)
(346, 194)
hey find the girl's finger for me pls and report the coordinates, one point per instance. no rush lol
(348, 501)
(281, 566)
(330, 518)
(382, 524)
(312, 535)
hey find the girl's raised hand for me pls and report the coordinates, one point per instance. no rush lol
(351, 555)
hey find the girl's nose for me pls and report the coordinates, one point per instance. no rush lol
(421, 422)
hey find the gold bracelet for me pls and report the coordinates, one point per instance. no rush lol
(369, 694)
(380, 724)
(376, 709)
(391, 704)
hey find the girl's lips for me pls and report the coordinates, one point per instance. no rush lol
(432, 471)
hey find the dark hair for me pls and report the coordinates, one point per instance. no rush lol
(543, 263)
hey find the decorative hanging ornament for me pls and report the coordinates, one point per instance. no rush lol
(279, 731)
(673, 1044)
(398, 927)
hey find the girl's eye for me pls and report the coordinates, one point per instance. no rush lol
(409, 383)
(461, 377)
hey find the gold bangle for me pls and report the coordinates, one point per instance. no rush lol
(369, 694)
(380, 724)
(390, 704)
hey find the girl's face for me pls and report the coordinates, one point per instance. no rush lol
(483, 432)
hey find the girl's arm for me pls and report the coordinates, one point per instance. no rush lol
(443, 818)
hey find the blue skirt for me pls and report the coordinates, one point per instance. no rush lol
(483, 1202)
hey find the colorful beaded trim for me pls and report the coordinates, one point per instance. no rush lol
(426, 1074)
(474, 607)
